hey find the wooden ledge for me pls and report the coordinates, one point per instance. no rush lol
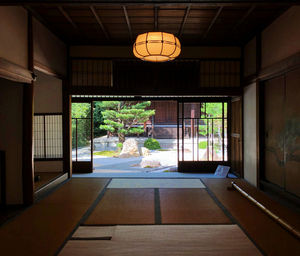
(13, 72)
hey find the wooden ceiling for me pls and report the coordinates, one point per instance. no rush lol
(119, 24)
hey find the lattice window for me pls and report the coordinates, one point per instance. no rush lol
(48, 138)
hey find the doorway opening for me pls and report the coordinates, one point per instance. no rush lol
(122, 135)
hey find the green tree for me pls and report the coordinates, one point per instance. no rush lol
(80, 111)
(98, 119)
(123, 117)
(212, 110)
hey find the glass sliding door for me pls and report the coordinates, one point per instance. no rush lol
(202, 135)
(82, 137)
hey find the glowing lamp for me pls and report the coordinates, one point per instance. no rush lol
(156, 47)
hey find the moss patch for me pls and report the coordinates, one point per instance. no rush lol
(109, 153)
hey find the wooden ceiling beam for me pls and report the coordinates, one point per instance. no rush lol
(97, 17)
(212, 3)
(48, 25)
(186, 14)
(67, 16)
(127, 21)
(156, 8)
(213, 21)
(245, 16)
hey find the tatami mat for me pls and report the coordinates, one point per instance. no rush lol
(156, 183)
(189, 206)
(42, 228)
(168, 240)
(94, 232)
(124, 206)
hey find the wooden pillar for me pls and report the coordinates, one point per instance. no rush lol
(67, 133)
(28, 112)
(67, 119)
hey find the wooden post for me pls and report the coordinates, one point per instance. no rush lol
(67, 126)
(28, 112)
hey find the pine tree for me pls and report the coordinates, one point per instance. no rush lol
(123, 117)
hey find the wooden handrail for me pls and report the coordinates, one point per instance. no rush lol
(281, 222)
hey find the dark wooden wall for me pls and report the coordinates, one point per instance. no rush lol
(91, 72)
(165, 112)
(282, 131)
(209, 76)
(236, 136)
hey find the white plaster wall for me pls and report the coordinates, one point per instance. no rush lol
(250, 134)
(47, 94)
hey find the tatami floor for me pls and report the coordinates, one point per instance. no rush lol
(93, 216)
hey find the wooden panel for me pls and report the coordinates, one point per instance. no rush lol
(265, 232)
(282, 132)
(178, 74)
(124, 206)
(168, 240)
(274, 124)
(292, 132)
(189, 206)
(82, 167)
(165, 112)
(200, 166)
(91, 72)
(45, 178)
(2, 178)
(236, 136)
(157, 76)
(42, 228)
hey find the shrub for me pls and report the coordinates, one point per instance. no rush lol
(151, 144)
(202, 144)
(120, 146)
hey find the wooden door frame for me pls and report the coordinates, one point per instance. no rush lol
(84, 166)
(197, 166)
